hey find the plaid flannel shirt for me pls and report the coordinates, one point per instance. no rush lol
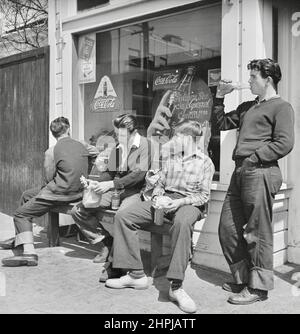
(190, 176)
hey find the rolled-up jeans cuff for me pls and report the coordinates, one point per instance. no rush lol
(93, 237)
(261, 279)
(175, 275)
(240, 272)
(24, 238)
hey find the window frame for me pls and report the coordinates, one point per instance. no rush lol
(79, 98)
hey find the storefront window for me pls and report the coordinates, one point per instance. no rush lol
(129, 69)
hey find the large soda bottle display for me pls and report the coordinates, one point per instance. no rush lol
(191, 99)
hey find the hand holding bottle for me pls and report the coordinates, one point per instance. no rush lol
(227, 86)
(159, 122)
(160, 202)
(101, 187)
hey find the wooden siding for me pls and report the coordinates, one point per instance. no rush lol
(24, 110)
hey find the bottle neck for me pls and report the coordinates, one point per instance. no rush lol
(188, 78)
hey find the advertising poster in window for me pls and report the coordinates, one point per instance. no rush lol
(87, 58)
(214, 76)
(105, 99)
(190, 99)
(167, 79)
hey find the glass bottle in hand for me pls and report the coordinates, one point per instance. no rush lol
(178, 101)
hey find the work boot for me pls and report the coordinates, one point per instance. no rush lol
(105, 245)
(29, 260)
(248, 296)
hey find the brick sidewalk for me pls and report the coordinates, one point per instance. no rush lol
(66, 281)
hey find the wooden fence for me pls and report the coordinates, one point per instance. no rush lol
(24, 118)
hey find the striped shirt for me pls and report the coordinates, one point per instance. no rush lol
(190, 176)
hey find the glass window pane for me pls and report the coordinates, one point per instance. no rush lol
(135, 65)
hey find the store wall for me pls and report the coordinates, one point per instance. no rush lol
(246, 34)
(292, 24)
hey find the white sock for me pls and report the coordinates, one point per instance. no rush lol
(29, 249)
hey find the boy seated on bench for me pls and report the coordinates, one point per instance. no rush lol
(183, 187)
(64, 164)
(127, 166)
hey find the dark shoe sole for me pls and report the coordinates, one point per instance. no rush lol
(258, 299)
(19, 263)
(13, 262)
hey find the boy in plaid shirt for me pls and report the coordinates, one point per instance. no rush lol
(183, 187)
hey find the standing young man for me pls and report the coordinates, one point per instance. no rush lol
(64, 164)
(183, 187)
(266, 134)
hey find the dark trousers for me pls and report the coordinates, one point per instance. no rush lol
(126, 248)
(30, 207)
(245, 230)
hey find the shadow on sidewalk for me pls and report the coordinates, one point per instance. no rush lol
(212, 276)
(289, 272)
(78, 249)
(75, 248)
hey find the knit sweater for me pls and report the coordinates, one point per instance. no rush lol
(266, 129)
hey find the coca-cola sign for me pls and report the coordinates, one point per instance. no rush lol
(109, 103)
(105, 98)
(166, 79)
(196, 106)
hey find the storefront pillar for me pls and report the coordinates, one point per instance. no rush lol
(293, 25)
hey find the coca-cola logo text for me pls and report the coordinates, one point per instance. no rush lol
(104, 103)
(166, 79)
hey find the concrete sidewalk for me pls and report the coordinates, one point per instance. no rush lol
(66, 281)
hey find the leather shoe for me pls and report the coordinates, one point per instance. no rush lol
(109, 272)
(106, 245)
(248, 296)
(127, 281)
(233, 287)
(102, 256)
(21, 260)
(8, 244)
(184, 301)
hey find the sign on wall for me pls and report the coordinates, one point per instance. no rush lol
(87, 58)
(106, 98)
(166, 79)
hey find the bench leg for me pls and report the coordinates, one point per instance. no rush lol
(156, 250)
(53, 229)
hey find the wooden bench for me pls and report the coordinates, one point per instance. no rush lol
(157, 262)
